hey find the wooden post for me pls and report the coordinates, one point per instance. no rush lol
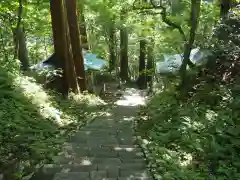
(92, 81)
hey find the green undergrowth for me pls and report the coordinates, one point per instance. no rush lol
(34, 124)
(195, 135)
(190, 139)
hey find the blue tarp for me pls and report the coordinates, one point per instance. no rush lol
(91, 62)
(172, 63)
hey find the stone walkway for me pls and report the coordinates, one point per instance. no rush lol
(104, 149)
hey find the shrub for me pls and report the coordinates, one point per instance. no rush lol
(197, 137)
(189, 140)
(33, 124)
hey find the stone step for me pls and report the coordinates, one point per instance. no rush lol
(93, 175)
(104, 154)
(88, 151)
(74, 145)
(126, 141)
(72, 176)
(102, 175)
(81, 147)
(133, 160)
(86, 160)
(115, 171)
(134, 174)
(113, 166)
(101, 136)
(101, 153)
(98, 142)
(98, 174)
(57, 168)
(118, 148)
(134, 178)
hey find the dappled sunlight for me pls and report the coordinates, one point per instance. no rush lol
(127, 119)
(107, 114)
(90, 99)
(39, 97)
(188, 123)
(132, 97)
(29, 121)
(182, 136)
(211, 116)
(86, 162)
(45, 118)
(131, 101)
(186, 160)
(114, 160)
(107, 145)
(124, 148)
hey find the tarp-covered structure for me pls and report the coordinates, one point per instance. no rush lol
(172, 63)
(91, 62)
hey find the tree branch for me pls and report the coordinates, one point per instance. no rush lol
(165, 19)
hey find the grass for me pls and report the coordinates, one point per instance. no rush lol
(35, 123)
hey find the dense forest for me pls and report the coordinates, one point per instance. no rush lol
(184, 53)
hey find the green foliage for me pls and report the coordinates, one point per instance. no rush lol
(37, 24)
(188, 140)
(196, 136)
(27, 138)
(34, 125)
(99, 16)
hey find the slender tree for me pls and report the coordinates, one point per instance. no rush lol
(76, 43)
(225, 6)
(142, 81)
(112, 46)
(123, 49)
(19, 36)
(83, 29)
(195, 12)
(150, 62)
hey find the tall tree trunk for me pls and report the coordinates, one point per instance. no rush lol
(20, 40)
(68, 80)
(76, 43)
(123, 51)
(225, 6)
(15, 30)
(195, 12)
(83, 29)
(150, 63)
(22, 49)
(70, 66)
(112, 48)
(142, 81)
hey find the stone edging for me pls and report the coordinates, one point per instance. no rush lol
(145, 152)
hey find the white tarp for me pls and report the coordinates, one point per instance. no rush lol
(172, 63)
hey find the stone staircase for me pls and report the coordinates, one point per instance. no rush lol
(103, 150)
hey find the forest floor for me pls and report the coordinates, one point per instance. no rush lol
(105, 148)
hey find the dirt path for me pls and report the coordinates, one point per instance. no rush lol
(104, 149)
